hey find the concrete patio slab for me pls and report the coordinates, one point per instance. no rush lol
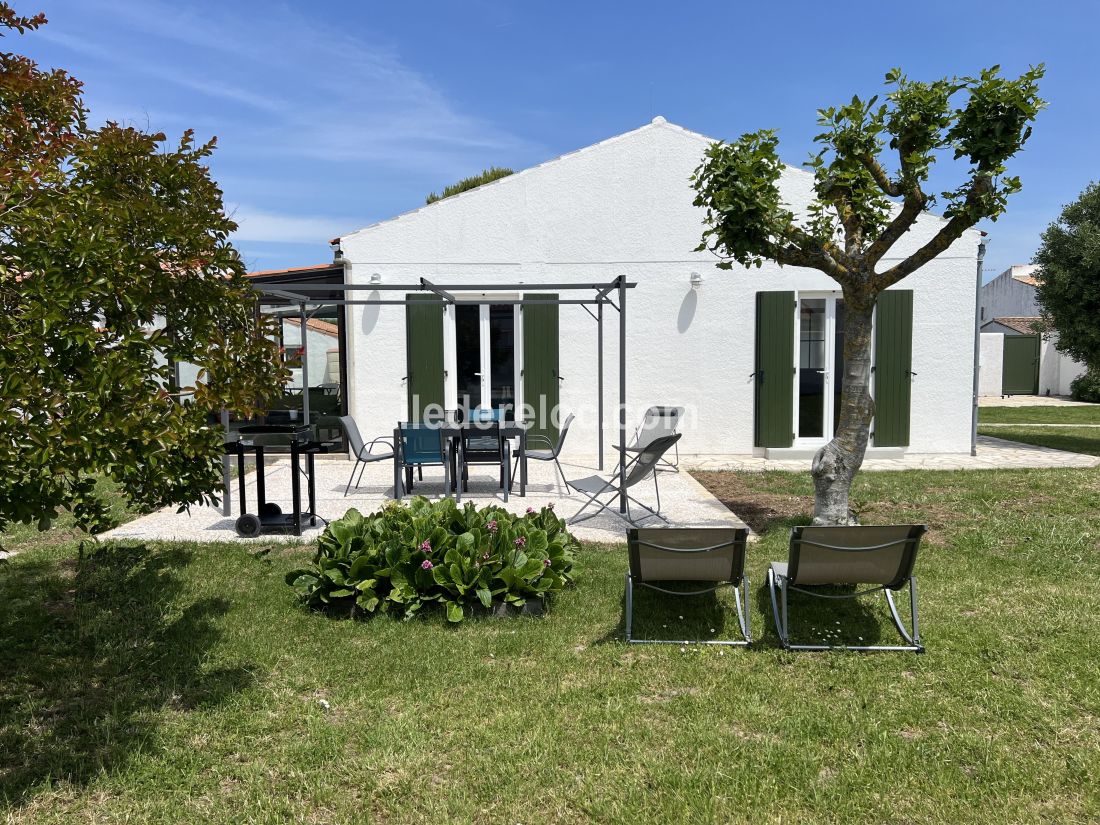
(993, 454)
(684, 502)
(1030, 401)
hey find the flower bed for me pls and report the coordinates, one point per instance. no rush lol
(406, 556)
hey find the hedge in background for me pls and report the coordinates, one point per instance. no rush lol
(406, 556)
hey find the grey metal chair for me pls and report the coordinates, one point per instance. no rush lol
(882, 556)
(638, 469)
(364, 453)
(552, 453)
(658, 422)
(710, 555)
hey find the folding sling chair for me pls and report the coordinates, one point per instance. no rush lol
(550, 454)
(882, 556)
(658, 422)
(364, 453)
(704, 555)
(641, 467)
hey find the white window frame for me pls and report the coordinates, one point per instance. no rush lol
(450, 346)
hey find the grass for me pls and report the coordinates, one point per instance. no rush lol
(172, 682)
(1073, 439)
(18, 537)
(1040, 415)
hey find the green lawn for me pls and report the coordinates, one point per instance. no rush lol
(1040, 415)
(1073, 439)
(181, 683)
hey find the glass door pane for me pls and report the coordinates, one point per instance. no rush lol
(502, 355)
(811, 368)
(468, 355)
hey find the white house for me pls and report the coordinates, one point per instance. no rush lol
(752, 355)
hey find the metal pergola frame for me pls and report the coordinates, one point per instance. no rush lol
(303, 295)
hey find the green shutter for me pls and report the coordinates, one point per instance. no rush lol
(893, 367)
(773, 424)
(1020, 367)
(424, 349)
(540, 364)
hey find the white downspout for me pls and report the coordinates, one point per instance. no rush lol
(977, 345)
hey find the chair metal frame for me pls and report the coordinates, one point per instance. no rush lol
(364, 454)
(555, 450)
(637, 470)
(904, 575)
(738, 580)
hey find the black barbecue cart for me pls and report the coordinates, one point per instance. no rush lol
(268, 517)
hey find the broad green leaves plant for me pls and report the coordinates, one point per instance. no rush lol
(407, 556)
(869, 184)
(115, 263)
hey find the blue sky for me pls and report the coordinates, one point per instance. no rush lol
(332, 115)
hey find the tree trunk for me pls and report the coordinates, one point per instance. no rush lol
(836, 463)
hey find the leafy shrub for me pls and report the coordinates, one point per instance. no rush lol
(466, 184)
(1086, 387)
(406, 556)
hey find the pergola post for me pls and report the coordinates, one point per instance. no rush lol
(599, 377)
(622, 394)
(303, 352)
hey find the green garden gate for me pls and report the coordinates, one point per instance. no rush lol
(1020, 367)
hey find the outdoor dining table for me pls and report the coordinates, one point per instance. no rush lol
(452, 432)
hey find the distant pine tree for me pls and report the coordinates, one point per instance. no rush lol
(488, 176)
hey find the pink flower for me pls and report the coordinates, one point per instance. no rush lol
(546, 562)
(427, 565)
(426, 546)
(492, 526)
(530, 510)
(521, 541)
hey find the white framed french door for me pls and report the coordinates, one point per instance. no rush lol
(481, 352)
(818, 366)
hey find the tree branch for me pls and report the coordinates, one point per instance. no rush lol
(950, 232)
(879, 174)
(914, 203)
(811, 253)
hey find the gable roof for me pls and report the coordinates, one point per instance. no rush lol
(317, 325)
(315, 269)
(1022, 324)
(509, 180)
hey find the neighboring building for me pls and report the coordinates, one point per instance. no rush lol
(1011, 294)
(1019, 360)
(695, 334)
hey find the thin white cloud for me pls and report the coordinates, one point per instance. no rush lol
(341, 97)
(258, 225)
(208, 87)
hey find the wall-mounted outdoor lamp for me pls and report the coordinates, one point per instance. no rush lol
(376, 277)
(696, 280)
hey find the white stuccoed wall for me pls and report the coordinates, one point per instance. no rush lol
(992, 363)
(624, 206)
(1056, 370)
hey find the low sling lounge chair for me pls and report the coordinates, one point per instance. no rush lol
(364, 453)
(638, 469)
(704, 555)
(882, 556)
